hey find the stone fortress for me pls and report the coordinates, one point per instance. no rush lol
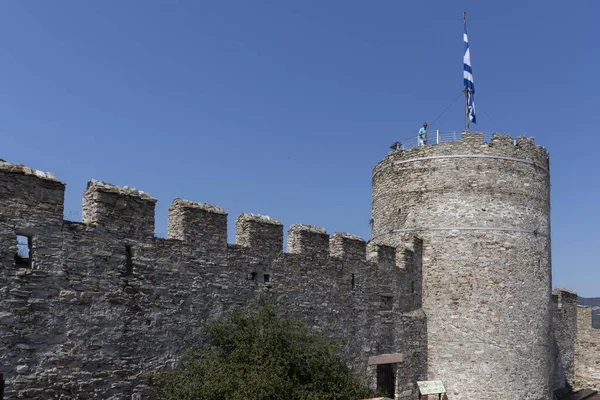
(454, 285)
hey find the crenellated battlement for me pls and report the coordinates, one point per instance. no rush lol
(127, 215)
(471, 144)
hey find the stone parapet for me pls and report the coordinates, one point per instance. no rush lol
(472, 144)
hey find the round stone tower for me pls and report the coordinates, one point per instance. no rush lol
(483, 212)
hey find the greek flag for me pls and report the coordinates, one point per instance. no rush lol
(468, 75)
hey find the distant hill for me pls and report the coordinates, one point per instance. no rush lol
(594, 302)
(589, 301)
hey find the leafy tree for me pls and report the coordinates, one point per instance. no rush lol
(254, 354)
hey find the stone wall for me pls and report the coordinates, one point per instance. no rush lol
(456, 278)
(483, 212)
(587, 351)
(576, 344)
(105, 301)
(564, 325)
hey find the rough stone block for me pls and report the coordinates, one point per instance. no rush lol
(120, 210)
(348, 247)
(308, 241)
(200, 225)
(262, 235)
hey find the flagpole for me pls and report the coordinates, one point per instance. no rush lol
(466, 88)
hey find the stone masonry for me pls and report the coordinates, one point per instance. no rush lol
(455, 281)
(105, 302)
(577, 352)
(564, 321)
(482, 210)
(587, 351)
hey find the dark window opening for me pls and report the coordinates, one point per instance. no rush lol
(595, 317)
(252, 276)
(353, 282)
(267, 278)
(386, 381)
(412, 287)
(128, 261)
(24, 252)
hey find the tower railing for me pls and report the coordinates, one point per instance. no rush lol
(435, 137)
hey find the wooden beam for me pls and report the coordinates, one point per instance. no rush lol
(386, 359)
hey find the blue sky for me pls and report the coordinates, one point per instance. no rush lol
(283, 108)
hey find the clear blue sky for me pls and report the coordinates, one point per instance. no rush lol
(282, 108)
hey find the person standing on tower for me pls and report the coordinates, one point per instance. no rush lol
(423, 135)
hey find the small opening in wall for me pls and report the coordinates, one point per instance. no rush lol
(24, 252)
(412, 287)
(267, 278)
(596, 318)
(148, 322)
(128, 261)
(353, 283)
(252, 276)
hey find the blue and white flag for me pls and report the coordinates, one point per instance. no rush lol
(468, 75)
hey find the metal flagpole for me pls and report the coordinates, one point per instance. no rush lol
(466, 88)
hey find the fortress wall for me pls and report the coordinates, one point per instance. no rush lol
(564, 325)
(31, 206)
(482, 210)
(410, 330)
(106, 301)
(587, 350)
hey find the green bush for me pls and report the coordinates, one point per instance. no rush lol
(254, 354)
